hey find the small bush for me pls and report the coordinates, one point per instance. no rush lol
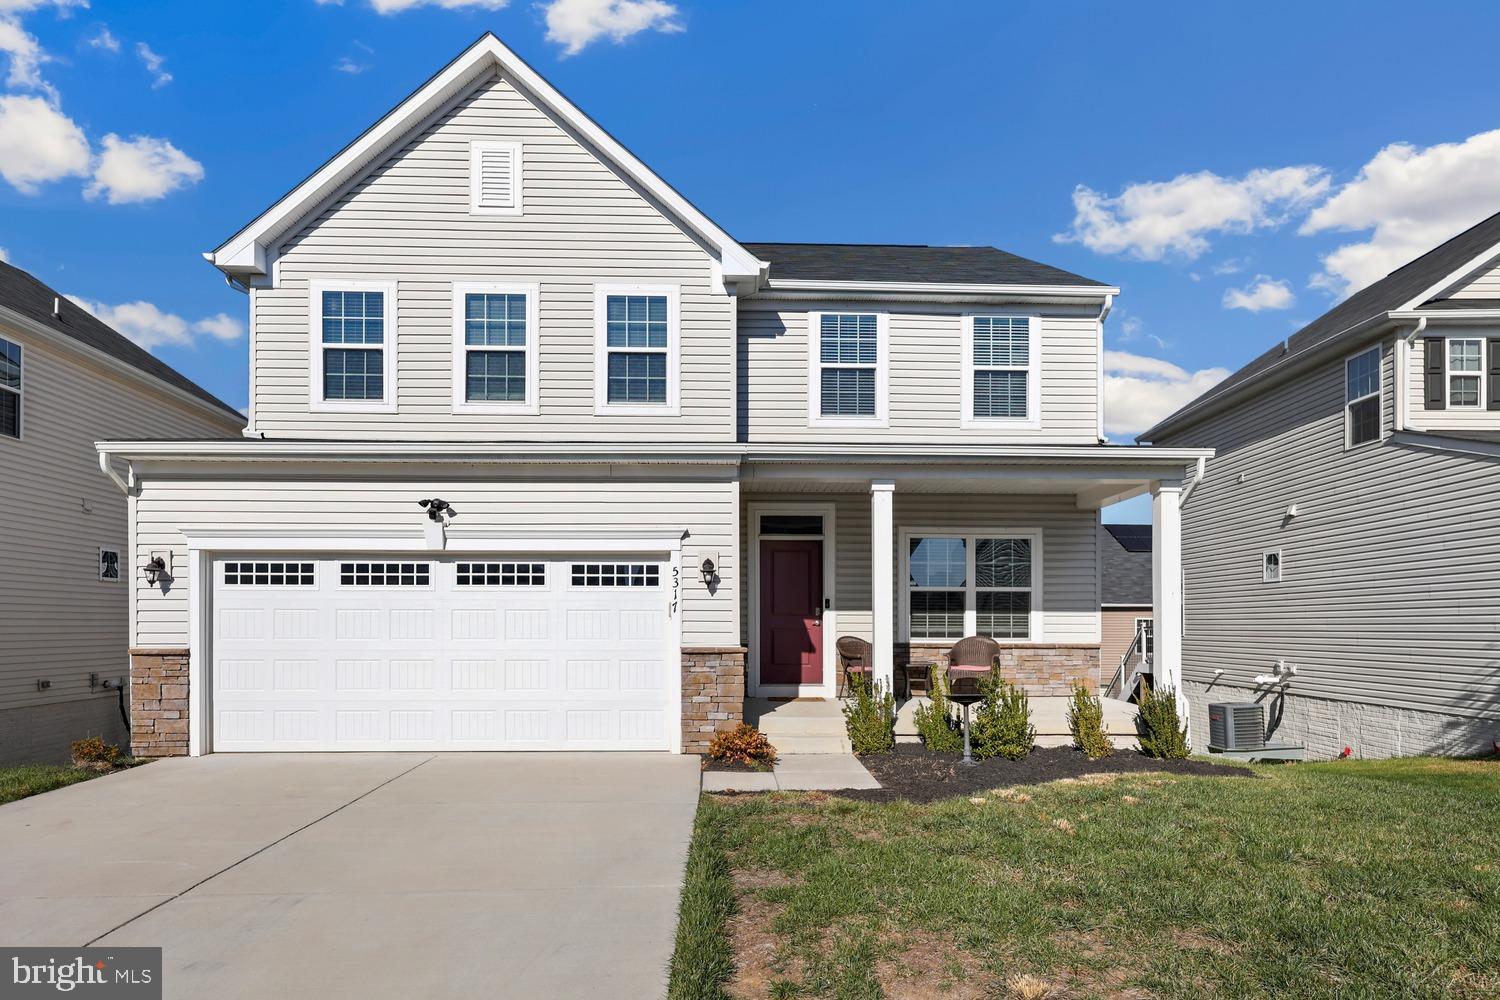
(936, 725)
(94, 752)
(1160, 731)
(1086, 721)
(870, 717)
(744, 744)
(1002, 726)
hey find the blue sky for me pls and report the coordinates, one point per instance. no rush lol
(1235, 170)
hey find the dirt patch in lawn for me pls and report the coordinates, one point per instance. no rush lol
(912, 773)
(929, 966)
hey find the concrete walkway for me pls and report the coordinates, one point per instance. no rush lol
(364, 875)
(795, 773)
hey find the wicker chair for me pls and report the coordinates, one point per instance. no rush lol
(856, 656)
(971, 657)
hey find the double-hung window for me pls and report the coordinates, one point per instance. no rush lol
(10, 389)
(972, 583)
(1000, 370)
(847, 380)
(495, 347)
(353, 325)
(1465, 373)
(1362, 397)
(636, 350)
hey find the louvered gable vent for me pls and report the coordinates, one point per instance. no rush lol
(495, 178)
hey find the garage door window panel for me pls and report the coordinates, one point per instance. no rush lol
(502, 574)
(616, 575)
(269, 574)
(385, 574)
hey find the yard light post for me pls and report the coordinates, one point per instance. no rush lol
(965, 698)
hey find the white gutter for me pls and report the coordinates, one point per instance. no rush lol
(919, 287)
(106, 465)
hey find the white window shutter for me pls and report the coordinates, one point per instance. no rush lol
(495, 178)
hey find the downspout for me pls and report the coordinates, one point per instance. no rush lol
(107, 467)
(1403, 358)
(1109, 302)
(1198, 470)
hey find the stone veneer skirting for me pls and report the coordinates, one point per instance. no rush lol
(159, 702)
(1042, 669)
(713, 693)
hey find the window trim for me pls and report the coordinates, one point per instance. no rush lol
(1280, 566)
(1379, 351)
(119, 564)
(19, 392)
(1033, 369)
(602, 406)
(1032, 534)
(316, 287)
(1449, 374)
(477, 148)
(461, 403)
(815, 415)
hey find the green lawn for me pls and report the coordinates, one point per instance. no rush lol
(20, 780)
(1347, 879)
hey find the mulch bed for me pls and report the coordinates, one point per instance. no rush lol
(912, 773)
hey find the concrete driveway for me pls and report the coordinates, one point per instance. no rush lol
(364, 875)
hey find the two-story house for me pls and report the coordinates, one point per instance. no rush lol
(66, 381)
(672, 467)
(1343, 551)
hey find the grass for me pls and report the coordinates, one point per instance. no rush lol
(20, 781)
(1346, 879)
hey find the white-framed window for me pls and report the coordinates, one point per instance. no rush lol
(494, 178)
(495, 350)
(10, 388)
(1465, 373)
(271, 573)
(972, 582)
(616, 575)
(352, 349)
(636, 363)
(109, 564)
(1270, 566)
(502, 574)
(385, 574)
(1001, 380)
(1362, 397)
(848, 368)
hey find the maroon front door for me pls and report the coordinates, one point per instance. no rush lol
(791, 616)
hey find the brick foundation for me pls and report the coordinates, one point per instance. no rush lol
(713, 693)
(1046, 669)
(159, 702)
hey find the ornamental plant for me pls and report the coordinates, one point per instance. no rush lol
(1086, 722)
(1161, 732)
(870, 717)
(936, 725)
(1002, 726)
(744, 744)
(93, 752)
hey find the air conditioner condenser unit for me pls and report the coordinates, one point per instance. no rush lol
(1236, 725)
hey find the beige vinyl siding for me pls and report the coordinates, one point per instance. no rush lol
(1466, 420)
(1390, 592)
(1483, 284)
(409, 222)
(58, 620)
(925, 375)
(1070, 594)
(378, 504)
(1116, 633)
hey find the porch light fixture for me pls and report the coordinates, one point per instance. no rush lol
(710, 568)
(155, 570)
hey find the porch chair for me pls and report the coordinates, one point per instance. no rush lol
(856, 656)
(971, 657)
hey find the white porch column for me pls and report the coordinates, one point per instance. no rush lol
(1166, 590)
(883, 584)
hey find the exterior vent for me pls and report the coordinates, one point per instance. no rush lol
(495, 178)
(1236, 725)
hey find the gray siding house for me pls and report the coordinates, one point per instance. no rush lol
(66, 381)
(1342, 553)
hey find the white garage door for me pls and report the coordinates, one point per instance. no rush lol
(396, 653)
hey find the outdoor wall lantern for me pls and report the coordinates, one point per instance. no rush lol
(710, 568)
(155, 570)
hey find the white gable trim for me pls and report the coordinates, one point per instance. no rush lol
(246, 253)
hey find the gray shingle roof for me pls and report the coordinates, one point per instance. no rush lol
(24, 294)
(908, 263)
(1390, 292)
(1125, 564)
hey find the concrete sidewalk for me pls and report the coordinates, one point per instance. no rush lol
(795, 772)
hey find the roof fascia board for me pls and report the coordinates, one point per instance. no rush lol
(1088, 292)
(1479, 260)
(1445, 315)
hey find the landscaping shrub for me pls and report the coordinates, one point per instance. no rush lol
(936, 725)
(744, 744)
(1002, 726)
(1086, 721)
(1161, 733)
(870, 717)
(95, 753)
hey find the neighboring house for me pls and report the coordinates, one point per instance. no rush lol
(66, 381)
(676, 466)
(1124, 603)
(1343, 550)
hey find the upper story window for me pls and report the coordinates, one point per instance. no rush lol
(495, 178)
(636, 350)
(353, 324)
(495, 347)
(1001, 371)
(10, 389)
(1465, 373)
(1362, 397)
(848, 375)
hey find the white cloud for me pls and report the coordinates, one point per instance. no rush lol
(1261, 294)
(38, 143)
(104, 39)
(150, 327)
(1231, 265)
(4, 256)
(347, 65)
(1413, 199)
(153, 62)
(574, 24)
(141, 168)
(1153, 219)
(25, 54)
(1140, 390)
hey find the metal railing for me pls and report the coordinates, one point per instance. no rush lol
(1135, 662)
